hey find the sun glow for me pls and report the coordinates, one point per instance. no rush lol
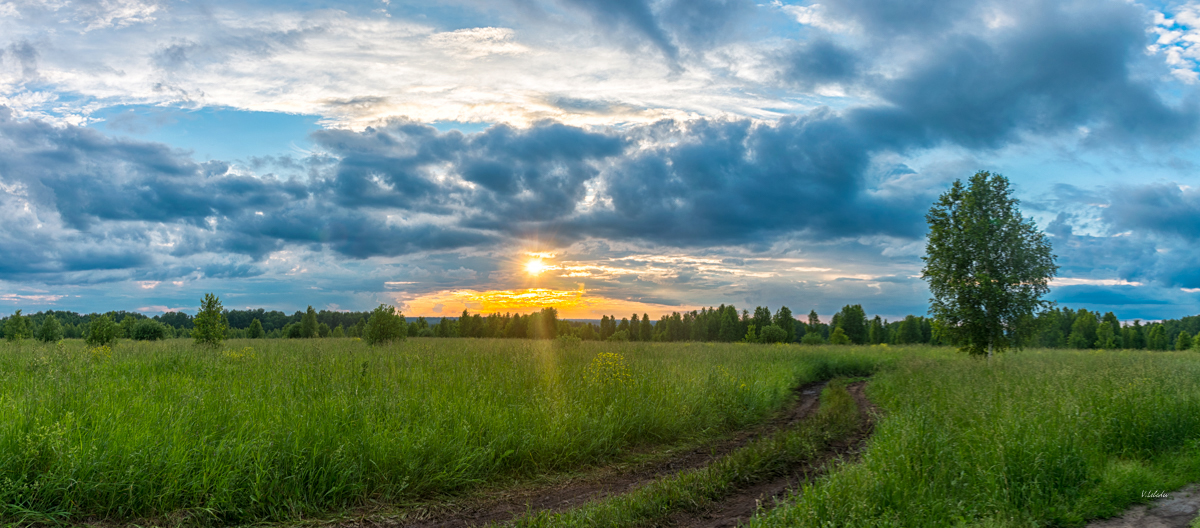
(537, 267)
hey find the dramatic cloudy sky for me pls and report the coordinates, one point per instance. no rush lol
(600, 156)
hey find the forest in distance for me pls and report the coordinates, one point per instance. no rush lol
(1057, 327)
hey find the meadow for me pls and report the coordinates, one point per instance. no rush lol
(269, 430)
(277, 430)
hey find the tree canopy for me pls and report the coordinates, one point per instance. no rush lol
(987, 266)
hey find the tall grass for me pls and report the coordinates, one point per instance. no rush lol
(1037, 438)
(263, 430)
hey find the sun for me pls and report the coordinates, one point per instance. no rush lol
(536, 267)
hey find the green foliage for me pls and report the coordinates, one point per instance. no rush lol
(773, 334)
(784, 319)
(1156, 337)
(308, 324)
(853, 322)
(1083, 330)
(839, 337)
(210, 323)
(256, 330)
(149, 330)
(386, 325)
(102, 332)
(987, 266)
(323, 330)
(338, 331)
(127, 324)
(50, 331)
(620, 335)
(17, 327)
(1184, 341)
(751, 335)
(812, 338)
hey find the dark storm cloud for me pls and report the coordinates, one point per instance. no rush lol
(819, 62)
(1104, 295)
(1162, 208)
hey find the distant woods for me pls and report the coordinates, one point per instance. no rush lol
(1053, 328)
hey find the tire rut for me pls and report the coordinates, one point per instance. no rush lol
(509, 504)
(742, 504)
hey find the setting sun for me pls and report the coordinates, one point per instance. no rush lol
(536, 267)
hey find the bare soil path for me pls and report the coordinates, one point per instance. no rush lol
(1175, 510)
(507, 504)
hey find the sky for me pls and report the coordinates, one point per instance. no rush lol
(601, 157)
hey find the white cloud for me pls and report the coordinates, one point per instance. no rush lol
(1076, 281)
(355, 71)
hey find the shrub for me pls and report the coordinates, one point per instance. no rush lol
(50, 330)
(102, 332)
(812, 338)
(385, 325)
(839, 337)
(773, 334)
(149, 330)
(210, 322)
(619, 336)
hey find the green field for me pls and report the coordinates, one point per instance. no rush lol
(276, 430)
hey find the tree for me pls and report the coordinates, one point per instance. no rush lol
(987, 266)
(308, 323)
(17, 327)
(783, 319)
(1184, 341)
(127, 324)
(647, 328)
(338, 331)
(751, 336)
(148, 330)
(1156, 338)
(210, 324)
(102, 331)
(385, 325)
(812, 338)
(853, 321)
(51, 330)
(256, 330)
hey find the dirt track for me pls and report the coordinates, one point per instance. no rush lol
(508, 504)
(1175, 510)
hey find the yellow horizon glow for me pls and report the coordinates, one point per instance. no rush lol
(572, 304)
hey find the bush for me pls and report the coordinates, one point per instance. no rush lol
(812, 338)
(619, 336)
(50, 330)
(385, 325)
(102, 332)
(149, 330)
(839, 337)
(773, 334)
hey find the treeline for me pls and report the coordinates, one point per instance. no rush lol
(1067, 328)
(1053, 328)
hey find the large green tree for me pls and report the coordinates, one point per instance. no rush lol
(17, 327)
(987, 266)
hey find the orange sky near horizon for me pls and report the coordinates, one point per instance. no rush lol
(571, 304)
